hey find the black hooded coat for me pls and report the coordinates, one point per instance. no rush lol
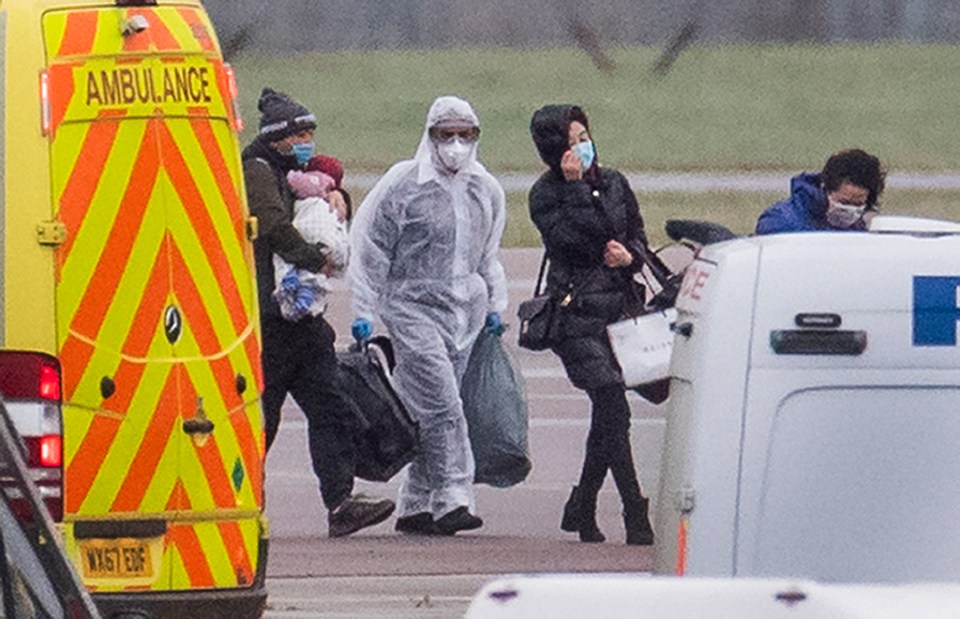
(576, 219)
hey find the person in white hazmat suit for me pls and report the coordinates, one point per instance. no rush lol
(424, 246)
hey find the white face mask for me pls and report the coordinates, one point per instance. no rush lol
(844, 215)
(454, 154)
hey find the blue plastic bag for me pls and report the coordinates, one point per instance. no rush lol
(495, 405)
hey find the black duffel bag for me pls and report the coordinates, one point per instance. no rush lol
(387, 436)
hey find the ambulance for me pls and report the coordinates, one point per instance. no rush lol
(814, 411)
(129, 338)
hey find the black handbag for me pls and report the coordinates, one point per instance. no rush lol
(537, 317)
(386, 435)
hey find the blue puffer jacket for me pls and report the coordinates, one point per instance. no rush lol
(804, 211)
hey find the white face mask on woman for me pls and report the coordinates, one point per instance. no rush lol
(454, 153)
(844, 216)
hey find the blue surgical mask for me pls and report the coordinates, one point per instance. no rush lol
(303, 152)
(586, 152)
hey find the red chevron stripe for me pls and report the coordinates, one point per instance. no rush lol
(178, 498)
(199, 215)
(252, 346)
(61, 92)
(79, 34)
(74, 357)
(184, 537)
(200, 31)
(83, 470)
(239, 558)
(103, 285)
(78, 192)
(203, 130)
(215, 473)
(144, 464)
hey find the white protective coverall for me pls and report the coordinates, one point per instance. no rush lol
(424, 258)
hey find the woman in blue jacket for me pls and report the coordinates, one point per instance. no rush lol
(843, 196)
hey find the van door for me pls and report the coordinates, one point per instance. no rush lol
(156, 306)
(848, 456)
(218, 356)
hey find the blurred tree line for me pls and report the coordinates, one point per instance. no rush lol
(280, 25)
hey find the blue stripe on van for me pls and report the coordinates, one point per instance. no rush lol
(935, 311)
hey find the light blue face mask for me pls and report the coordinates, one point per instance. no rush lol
(586, 152)
(303, 152)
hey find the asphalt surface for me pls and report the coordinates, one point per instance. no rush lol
(379, 573)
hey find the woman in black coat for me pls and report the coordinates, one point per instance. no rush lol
(593, 235)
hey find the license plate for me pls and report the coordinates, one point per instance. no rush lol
(116, 558)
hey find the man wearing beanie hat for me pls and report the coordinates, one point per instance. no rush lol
(298, 356)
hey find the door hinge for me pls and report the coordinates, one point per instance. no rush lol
(51, 233)
(685, 499)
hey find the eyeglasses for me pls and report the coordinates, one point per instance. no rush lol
(447, 134)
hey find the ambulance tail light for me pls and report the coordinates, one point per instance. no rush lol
(46, 115)
(46, 451)
(30, 383)
(29, 376)
(234, 97)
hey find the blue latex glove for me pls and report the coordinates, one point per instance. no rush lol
(494, 324)
(361, 329)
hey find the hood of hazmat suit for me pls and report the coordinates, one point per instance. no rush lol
(425, 241)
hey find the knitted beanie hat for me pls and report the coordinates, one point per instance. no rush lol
(281, 116)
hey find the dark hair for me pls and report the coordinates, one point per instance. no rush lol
(856, 167)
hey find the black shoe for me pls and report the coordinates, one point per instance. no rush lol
(571, 512)
(587, 518)
(592, 535)
(357, 512)
(459, 519)
(417, 524)
(636, 521)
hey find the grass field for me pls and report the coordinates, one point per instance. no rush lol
(729, 108)
(721, 108)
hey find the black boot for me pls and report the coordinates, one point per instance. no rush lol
(571, 512)
(637, 523)
(589, 532)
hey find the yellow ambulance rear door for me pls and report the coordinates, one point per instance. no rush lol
(156, 305)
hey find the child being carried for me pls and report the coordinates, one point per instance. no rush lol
(298, 291)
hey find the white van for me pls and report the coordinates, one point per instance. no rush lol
(814, 417)
(621, 596)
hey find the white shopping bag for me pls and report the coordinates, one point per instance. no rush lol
(643, 346)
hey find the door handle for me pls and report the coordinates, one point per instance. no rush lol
(198, 426)
(200, 423)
